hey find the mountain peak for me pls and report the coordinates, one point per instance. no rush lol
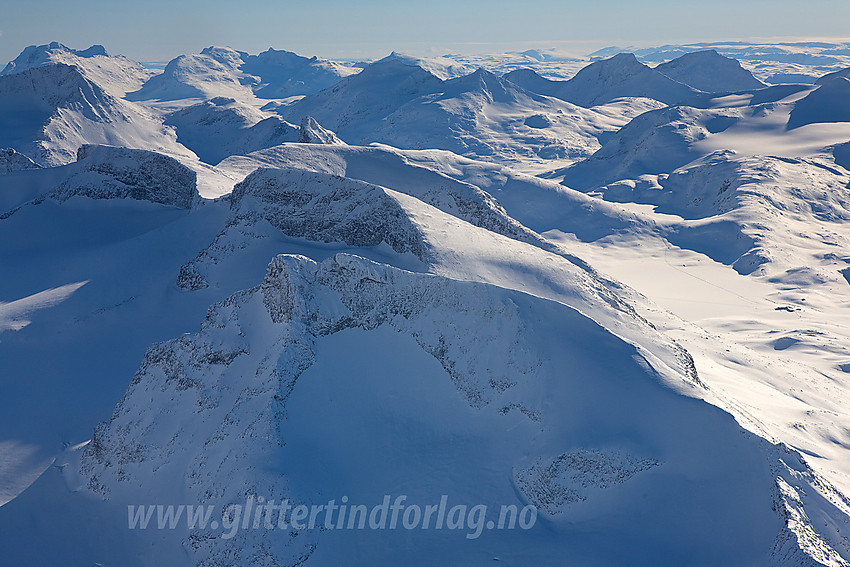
(441, 67)
(709, 71)
(314, 133)
(53, 52)
(483, 81)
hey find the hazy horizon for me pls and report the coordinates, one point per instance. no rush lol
(155, 31)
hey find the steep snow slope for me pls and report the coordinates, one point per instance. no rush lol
(222, 127)
(604, 81)
(710, 72)
(841, 73)
(47, 112)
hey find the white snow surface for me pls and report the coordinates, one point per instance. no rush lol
(620, 298)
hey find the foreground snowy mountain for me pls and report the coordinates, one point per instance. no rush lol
(222, 298)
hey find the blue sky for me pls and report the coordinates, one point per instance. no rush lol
(158, 30)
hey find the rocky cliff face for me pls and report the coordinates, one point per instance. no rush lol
(104, 172)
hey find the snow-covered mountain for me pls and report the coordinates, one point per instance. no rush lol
(357, 104)
(212, 73)
(221, 71)
(117, 74)
(655, 142)
(48, 111)
(603, 81)
(616, 302)
(771, 62)
(710, 72)
(479, 115)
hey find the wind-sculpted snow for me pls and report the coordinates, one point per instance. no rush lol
(218, 413)
(104, 172)
(710, 72)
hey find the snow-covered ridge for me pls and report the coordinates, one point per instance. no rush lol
(429, 322)
(357, 103)
(325, 208)
(313, 206)
(478, 115)
(388, 168)
(38, 55)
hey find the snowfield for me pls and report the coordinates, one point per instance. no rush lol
(610, 290)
